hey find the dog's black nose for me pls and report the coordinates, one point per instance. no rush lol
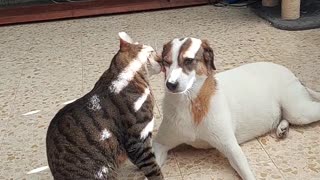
(172, 86)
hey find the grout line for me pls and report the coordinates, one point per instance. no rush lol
(175, 159)
(14, 103)
(81, 57)
(15, 96)
(271, 159)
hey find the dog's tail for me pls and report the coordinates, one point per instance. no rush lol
(314, 94)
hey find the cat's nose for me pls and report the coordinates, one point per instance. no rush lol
(172, 86)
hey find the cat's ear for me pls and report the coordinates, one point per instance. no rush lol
(125, 40)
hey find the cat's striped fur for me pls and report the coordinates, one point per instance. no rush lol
(91, 137)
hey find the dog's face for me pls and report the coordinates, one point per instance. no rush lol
(184, 60)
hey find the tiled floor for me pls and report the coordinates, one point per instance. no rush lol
(45, 65)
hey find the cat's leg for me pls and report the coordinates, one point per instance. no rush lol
(140, 153)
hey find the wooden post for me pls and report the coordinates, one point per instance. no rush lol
(290, 9)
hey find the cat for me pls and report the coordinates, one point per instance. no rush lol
(91, 137)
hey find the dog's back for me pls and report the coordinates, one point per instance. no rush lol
(256, 93)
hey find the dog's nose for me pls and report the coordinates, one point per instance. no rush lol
(172, 86)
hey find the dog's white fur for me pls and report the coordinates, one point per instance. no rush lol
(248, 102)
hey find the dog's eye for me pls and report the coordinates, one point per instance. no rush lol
(188, 61)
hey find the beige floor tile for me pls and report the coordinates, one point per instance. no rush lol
(10, 75)
(170, 170)
(48, 79)
(24, 145)
(174, 178)
(297, 155)
(226, 174)
(254, 152)
(266, 171)
(44, 175)
(192, 160)
(211, 164)
(262, 171)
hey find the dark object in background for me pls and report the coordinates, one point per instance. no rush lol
(233, 3)
(310, 6)
(63, 10)
(12, 3)
(309, 19)
(8, 3)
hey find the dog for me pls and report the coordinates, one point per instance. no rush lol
(223, 110)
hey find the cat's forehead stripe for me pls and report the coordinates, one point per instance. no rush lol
(129, 72)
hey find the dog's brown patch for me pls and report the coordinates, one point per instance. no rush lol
(167, 53)
(202, 69)
(201, 104)
(205, 58)
(183, 49)
(208, 55)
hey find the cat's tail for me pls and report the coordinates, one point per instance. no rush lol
(314, 94)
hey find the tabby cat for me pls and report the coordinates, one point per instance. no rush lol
(91, 137)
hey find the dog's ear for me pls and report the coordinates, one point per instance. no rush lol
(208, 55)
(166, 50)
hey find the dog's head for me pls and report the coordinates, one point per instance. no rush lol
(185, 60)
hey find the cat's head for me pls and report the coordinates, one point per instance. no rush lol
(139, 54)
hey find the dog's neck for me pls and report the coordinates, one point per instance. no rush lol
(200, 105)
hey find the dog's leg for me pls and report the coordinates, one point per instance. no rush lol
(237, 159)
(165, 140)
(297, 105)
(225, 141)
(161, 152)
(282, 129)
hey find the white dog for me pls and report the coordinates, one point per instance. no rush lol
(206, 110)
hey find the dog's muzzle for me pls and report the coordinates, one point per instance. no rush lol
(172, 86)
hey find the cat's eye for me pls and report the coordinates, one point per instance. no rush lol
(188, 61)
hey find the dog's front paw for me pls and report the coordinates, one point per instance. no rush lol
(282, 129)
(161, 153)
